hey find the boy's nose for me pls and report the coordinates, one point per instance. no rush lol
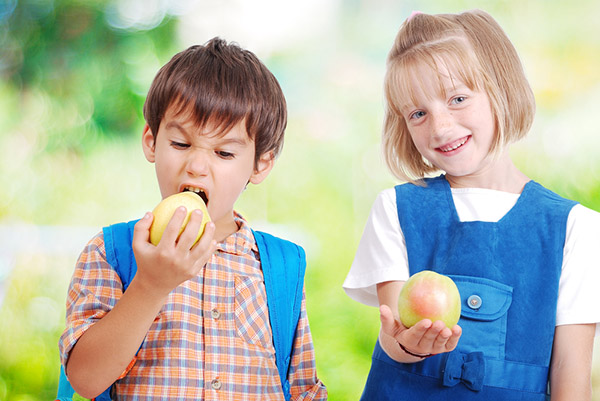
(197, 165)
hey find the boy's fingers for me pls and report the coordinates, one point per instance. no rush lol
(141, 230)
(171, 232)
(206, 244)
(189, 234)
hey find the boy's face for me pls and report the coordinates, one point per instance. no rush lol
(219, 165)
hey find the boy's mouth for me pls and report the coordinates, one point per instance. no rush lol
(198, 191)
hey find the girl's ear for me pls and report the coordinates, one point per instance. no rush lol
(263, 168)
(148, 144)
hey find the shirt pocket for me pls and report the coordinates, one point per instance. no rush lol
(251, 311)
(484, 315)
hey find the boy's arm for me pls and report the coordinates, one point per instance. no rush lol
(426, 337)
(571, 365)
(304, 383)
(105, 350)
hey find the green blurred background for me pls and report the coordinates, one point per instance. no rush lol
(73, 76)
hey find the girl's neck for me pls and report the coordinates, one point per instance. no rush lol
(500, 175)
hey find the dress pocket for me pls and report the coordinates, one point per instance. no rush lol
(251, 312)
(484, 312)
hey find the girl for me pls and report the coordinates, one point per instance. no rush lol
(523, 257)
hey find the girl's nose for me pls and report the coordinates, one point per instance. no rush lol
(442, 122)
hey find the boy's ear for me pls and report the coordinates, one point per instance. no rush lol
(263, 167)
(148, 144)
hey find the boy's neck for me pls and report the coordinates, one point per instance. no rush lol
(224, 229)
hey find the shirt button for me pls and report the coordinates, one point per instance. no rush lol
(215, 313)
(216, 384)
(474, 302)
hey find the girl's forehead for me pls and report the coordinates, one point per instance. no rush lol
(434, 76)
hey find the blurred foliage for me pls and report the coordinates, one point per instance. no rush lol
(72, 89)
(83, 73)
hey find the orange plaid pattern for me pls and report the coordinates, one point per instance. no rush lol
(211, 340)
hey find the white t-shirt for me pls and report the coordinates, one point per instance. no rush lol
(381, 254)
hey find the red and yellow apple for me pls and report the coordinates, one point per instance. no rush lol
(429, 295)
(165, 209)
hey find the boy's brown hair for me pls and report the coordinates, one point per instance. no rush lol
(221, 84)
(475, 49)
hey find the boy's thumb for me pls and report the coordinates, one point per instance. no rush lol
(141, 230)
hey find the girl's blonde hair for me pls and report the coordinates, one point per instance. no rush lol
(475, 49)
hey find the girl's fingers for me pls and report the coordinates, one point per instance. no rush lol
(388, 324)
(430, 336)
(453, 340)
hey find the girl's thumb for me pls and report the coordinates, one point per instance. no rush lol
(387, 319)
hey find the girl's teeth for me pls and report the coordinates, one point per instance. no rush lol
(456, 146)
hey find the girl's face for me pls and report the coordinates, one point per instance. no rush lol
(452, 128)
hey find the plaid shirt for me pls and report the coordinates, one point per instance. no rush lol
(211, 340)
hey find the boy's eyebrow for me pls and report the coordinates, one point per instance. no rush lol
(224, 140)
(176, 125)
(232, 141)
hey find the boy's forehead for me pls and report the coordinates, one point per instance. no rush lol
(185, 119)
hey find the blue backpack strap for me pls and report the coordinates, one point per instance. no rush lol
(65, 391)
(117, 243)
(119, 254)
(283, 264)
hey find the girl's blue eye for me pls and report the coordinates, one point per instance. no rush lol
(417, 115)
(459, 99)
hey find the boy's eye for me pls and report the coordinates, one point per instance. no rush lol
(224, 154)
(458, 99)
(179, 145)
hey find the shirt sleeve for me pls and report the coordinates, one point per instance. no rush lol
(578, 297)
(94, 290)
(381, 254)
(304, 384)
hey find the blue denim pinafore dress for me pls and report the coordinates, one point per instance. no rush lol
(507, 273)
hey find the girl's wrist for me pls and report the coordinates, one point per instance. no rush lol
(420, 356)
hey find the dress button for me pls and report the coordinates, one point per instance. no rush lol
(215, 313)
(474, 302)
(216, 384)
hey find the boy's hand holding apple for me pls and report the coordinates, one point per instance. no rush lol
(173, 243)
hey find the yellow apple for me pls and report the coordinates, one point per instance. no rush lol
(429, 295)
(165, 209)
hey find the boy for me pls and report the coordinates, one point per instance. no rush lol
(215, 120)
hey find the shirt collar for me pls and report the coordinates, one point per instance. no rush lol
(240, 242)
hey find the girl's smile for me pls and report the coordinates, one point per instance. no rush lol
(453, 146)
(453, 127)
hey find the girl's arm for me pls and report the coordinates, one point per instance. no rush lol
(424, 338)
(571, 366)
